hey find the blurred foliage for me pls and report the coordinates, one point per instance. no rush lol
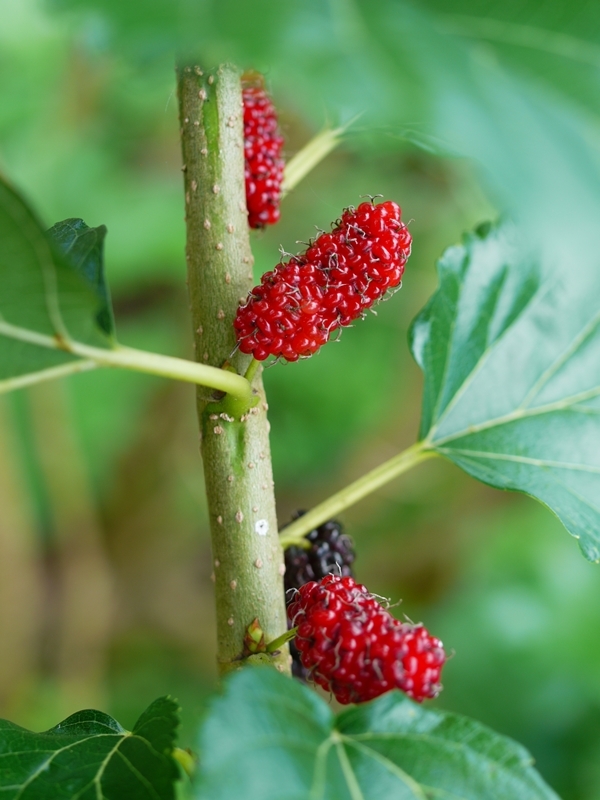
(88, 129)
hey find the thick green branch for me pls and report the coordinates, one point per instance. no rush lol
(248, 561)
(295, 532)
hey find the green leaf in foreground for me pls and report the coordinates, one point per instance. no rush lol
(511, 356)
(90, 756)
(271, 738)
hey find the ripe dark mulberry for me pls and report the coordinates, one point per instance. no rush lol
(330, 551)
(262, 151)
(299, 304)
(354, 648)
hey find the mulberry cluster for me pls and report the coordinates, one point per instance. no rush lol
(298, 305)
(330, 551)
(354, 648)
(262, 152)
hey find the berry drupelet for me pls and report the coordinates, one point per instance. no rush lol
(262, 151)
(355, 649)
(298, 305)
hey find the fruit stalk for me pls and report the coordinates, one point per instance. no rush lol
(247, 557)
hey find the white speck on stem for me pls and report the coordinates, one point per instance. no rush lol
(258, 563)
(217, 563)
(230, 622)
(230, 478)
(239, 517)
(261, 527)
(282, 570)
(233, 585)
(206, 224)
(219, 520)
(218, 430)
(216, 188)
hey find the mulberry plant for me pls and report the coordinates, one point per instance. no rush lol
(508, 398)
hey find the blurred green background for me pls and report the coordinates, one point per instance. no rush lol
(105, 593)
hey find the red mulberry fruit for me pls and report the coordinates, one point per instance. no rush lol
(262, 152)
(297, 306)
(354, 648)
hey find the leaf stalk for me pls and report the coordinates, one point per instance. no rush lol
(294, 533)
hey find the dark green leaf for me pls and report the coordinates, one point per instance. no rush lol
(89, 756)
(270, 738)
(42, 297)
(510, 348)
(83, 248)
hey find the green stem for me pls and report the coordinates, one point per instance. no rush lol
(62, 371)
(138, 360)
(294, 533)
(252, 370)
(278, 643)
(247, 557)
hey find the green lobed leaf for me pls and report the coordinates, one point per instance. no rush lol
(44, 293)
(510, 348)
(89, 756)
(271, 738)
